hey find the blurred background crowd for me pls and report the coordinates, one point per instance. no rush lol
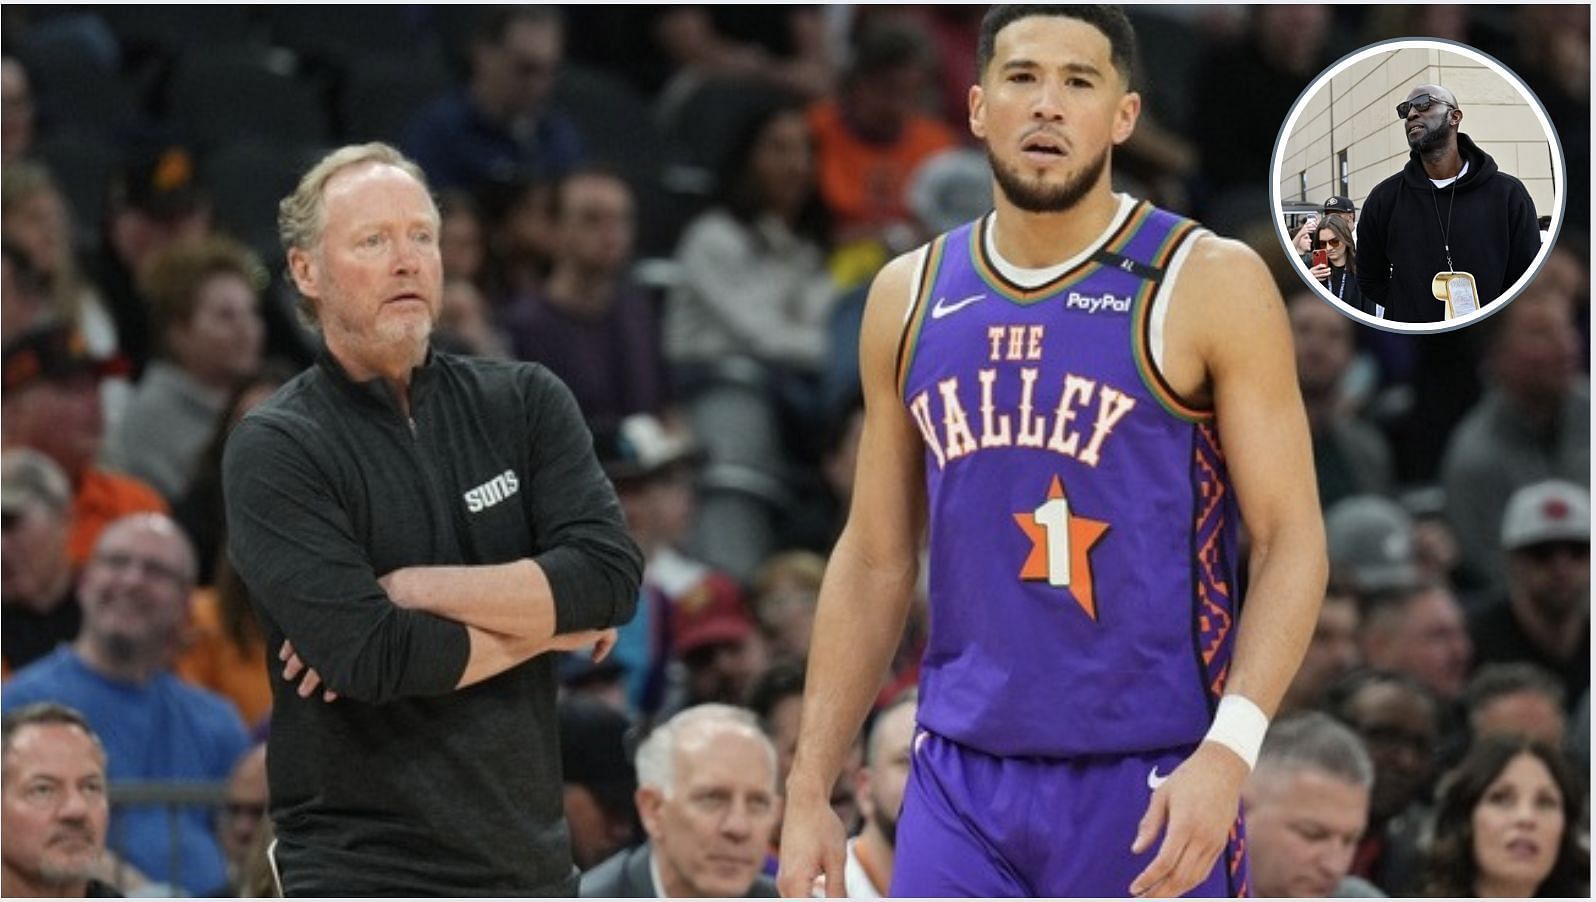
(678, 210)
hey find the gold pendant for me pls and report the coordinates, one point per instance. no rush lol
(1456, 290)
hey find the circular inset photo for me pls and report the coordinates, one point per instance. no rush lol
(1419, 185)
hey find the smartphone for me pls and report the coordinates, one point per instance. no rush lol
(1321, 257)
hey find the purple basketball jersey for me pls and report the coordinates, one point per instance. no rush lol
(1083, 526)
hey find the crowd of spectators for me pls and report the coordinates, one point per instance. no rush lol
(675, 209)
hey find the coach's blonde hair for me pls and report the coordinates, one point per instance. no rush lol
(301, 216)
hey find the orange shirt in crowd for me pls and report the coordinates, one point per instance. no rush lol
(102, 499)
(863, 184)
(210, 659)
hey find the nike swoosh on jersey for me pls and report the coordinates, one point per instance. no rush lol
(943, 308)
(1154, 780)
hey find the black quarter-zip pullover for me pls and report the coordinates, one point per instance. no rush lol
(405, 785)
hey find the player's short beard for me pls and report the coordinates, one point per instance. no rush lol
(1034, 197)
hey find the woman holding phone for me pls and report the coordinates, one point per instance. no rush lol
(1335, 264)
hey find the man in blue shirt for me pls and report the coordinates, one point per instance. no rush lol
(135, 595)
(498, 130)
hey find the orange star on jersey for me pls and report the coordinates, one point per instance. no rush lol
(1056, 530)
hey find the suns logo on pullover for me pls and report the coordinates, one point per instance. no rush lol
(492, 492)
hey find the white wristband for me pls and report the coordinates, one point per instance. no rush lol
(1239, 725)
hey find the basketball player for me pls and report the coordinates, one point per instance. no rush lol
(1078, 394)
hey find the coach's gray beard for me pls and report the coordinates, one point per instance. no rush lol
(1034, 198)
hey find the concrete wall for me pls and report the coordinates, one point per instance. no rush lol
(1355, 111)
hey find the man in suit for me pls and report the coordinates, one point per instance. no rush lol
(707, 798)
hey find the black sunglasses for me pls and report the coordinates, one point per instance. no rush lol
(1423, 102)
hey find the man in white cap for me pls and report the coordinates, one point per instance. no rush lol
(1546, 615)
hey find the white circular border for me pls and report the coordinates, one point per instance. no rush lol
(1559, 196)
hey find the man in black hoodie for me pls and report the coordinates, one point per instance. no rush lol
(1449, 209)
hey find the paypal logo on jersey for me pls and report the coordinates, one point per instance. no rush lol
(1094, 303)
(492, 492)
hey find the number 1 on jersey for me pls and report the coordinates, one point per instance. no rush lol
(1054, 518)
(1061, 540)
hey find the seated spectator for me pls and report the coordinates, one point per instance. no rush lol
(38, 223)
(590, 323)
(1509, 826)
(745, 330)
(50, 401)
(205, 301)
(1332, 652)
(1516, 700)
(134, 592)
(1545, 616)
(1400, 724)
(707, 797)
(1307, 803)
(600, 781)
(156, 201)
(40, 603)
(499, 129)
(653, 469)
(1533, 424)
(871, 139)
(1350, 456)
(1418, 631)
(754, 279)
(241, 816)
(521, 243)
(786, 590)
(54, 804)
(715, 639)
(1371, 544)
(878, 790)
